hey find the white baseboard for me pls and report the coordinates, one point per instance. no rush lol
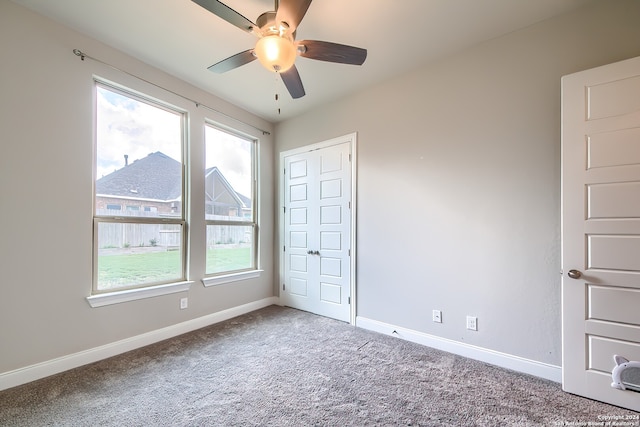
(515, 363)
(64, 363)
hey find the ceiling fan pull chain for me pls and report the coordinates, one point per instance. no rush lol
(275, 89)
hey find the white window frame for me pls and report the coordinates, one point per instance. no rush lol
(138, 291)
(222, 277)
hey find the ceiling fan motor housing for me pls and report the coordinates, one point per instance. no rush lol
(266, 21)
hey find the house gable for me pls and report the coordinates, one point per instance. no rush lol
(220, 197)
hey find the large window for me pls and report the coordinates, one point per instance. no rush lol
(139, 223)
(230, 205)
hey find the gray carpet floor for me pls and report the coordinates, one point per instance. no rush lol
(283, 367)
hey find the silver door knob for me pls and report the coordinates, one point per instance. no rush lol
(574, 274)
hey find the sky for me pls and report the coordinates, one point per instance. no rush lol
(232, 155)
(128, 126)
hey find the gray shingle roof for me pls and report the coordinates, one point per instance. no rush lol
(156, 176)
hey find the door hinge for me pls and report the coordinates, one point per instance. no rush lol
(284, 249)
(285, 209)
(349, 252)
(284, 287)
(349, 157)
(349, 205)
(349, 300)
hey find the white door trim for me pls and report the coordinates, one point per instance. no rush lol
(352, 140)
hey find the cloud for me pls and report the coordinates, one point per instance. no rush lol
(232, 156)
(128, 126)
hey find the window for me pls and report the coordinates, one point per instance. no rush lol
(230, 202)
(139, 161)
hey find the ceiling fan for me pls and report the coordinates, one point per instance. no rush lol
(276, 48)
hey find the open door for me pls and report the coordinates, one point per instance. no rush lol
(601, 229)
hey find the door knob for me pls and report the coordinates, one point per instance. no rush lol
(574, 274)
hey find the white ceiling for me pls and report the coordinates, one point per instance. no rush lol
(183, 39)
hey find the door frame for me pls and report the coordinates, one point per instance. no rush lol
(352, 140)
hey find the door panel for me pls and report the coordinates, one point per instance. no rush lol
(317, 222)
(614, 304)
(600, 350)
(298, 287)
(601, 228)
(613, 98)
(614, 252)
(615, 148)
(619, 200)
(298, 216)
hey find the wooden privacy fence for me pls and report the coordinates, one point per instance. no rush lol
(228, 234)
(123, 235)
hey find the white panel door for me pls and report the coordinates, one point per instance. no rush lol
(601, 228)
(317, 231)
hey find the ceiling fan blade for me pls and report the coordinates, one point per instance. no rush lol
(292, 12)
(225, 12)
(292, 81)
(332, 52)
(232, 62)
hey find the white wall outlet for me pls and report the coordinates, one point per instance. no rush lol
(437, 316)
(184, 303)
(472, 323)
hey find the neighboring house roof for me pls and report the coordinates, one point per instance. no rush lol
(245, 200)
(156, 177)
(242, 200)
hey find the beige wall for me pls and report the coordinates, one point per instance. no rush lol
(459, 181)
(46, 191)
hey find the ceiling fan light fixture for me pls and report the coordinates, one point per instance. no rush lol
(276, 53)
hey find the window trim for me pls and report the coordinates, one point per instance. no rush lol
(230, 278)
(116, 297)
(97, 297)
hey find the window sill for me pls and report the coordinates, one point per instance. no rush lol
(228, 278)
(110, 298)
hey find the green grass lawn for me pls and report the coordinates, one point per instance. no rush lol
(225, 259)
(121, 270)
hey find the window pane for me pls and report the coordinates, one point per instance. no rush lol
(229, 248)
(228, 176)
(138, 156)
(131, 255)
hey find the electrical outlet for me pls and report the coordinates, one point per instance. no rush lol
(437, 316)
(184, 303)
(472, 323)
